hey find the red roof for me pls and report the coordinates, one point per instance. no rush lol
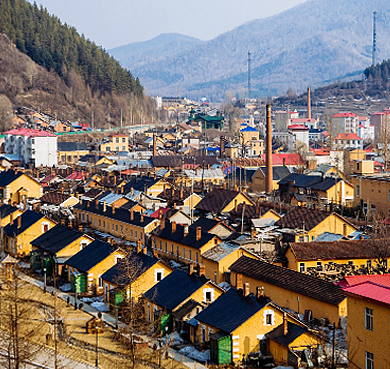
(382, 279)
(29, 133)
(298, 126)
(157, 212)
(303, 120)
(362, 118)
(77, 175)
(290, 159)
(378, 164)
(344, 115)
(371, 291)
(378, 113)
(347, 136)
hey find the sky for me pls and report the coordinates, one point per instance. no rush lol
(111, 23)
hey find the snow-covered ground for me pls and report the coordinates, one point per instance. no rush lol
(193, 353)
(174, 339)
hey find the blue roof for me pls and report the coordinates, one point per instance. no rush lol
(249, 129)
(329, 237)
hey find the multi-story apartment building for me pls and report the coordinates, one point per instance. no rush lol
(32, 146)
(115, 143)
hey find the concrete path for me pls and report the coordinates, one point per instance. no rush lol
(110, 320)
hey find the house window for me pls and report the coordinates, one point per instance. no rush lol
(177, 250)
(116, 227)
(166, 247)
(160, 245)
(208, 295)
(369, 319)
(123, 139)
(369, 264)
(104, 223)
(350, 262)
(100, 223)
(268, 317)
(100, 280)
(117, 148)
(301, 267)
(358, 191)
(184, 252)
(189, 254)
(196, 257)
(373, 207)
(158, 275)
(203, 333)
(301, 238)
(369, 360)
(172, 248)
(45, 227)
(319, 264)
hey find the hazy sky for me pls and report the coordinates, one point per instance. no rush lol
(113, 23)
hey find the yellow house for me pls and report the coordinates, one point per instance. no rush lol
(8, 213)
(89, 264)
(180, 286)
(271, 214)
(17, 187)
(135, 274)
(18, 234)
(151, 185)
(222, 201)
(357, 154)
(372, 194)
(237, 323)
(115, 143)
(368, 325)
(258, 179)
(291, 289)
(70, 152)
(58, 244)
(126, 224)
(218, 259)
(361, 253)
(309, 223)
(287, 342)
(182, 242)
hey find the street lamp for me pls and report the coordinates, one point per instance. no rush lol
(44, 280)
(97, 339)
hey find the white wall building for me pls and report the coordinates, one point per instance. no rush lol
(345, 122)
(32, 146)
(300, 134)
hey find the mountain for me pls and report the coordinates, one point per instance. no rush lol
(314, 43)
(47, 65)
(140, 53)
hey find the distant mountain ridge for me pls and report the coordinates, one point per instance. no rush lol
(311, 44)
(141, 53)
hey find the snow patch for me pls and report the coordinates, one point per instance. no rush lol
(67, 287)
(193, 353)
(101, 306)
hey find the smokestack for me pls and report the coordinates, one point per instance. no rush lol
(268, 155)
(222, 146)
(308, 103)
(285, 324)
(154, 145)
(246, 289)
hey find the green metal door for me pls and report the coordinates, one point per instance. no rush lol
(166, 324)
(47, 264)
(225, 350)
(79, 282)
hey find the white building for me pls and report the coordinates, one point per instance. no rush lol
(348, 141)
(300, 135)
(32, 146)
(345, 122)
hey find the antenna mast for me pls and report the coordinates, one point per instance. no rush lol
(373, 36)
(249, 74)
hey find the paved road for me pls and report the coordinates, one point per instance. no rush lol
(110, 320)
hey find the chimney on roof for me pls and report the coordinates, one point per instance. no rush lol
(285, 324)
(154, 145)
(173, 192)
(198, 233)
(132, 191)
(145, 250)
(63, 221)
(202, 270)
(235, 204)
(19, 221)
(308, 103)
(190, 269)
(131, 214)
(173, 227)
(239, 281)
(104, 206)
(142, 217)
(139, 247)
(268, 155)
(11, 219)
(96, 203)
(155, 254)
(80, 228)
(259, 292)
(113, 209)
(246, 289)
(181, 194)
(162, 224)
(185, 233)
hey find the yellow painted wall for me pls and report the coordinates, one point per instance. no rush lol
(21, 245)
(361, 339)
(239, 199)
(95, 273)
(5, 221)
(373, 191)
(116, 143)
(129, 232)
(192, 200)
(166, 247)
(271, 214)
(348, 192)
(295, 264)
(288, 299)
(70, 157)
(216, 270)
(333, 223)
(12, 191)
(258, 182)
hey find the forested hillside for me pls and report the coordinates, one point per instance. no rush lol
(47, 65)
(60, 48)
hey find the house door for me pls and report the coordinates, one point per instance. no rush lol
(263, 346)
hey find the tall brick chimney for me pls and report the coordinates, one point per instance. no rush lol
(268, 155)
(308, 103)
(154, 145)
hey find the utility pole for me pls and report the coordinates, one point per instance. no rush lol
(249, 75)
(386, 139)
(374, 36)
